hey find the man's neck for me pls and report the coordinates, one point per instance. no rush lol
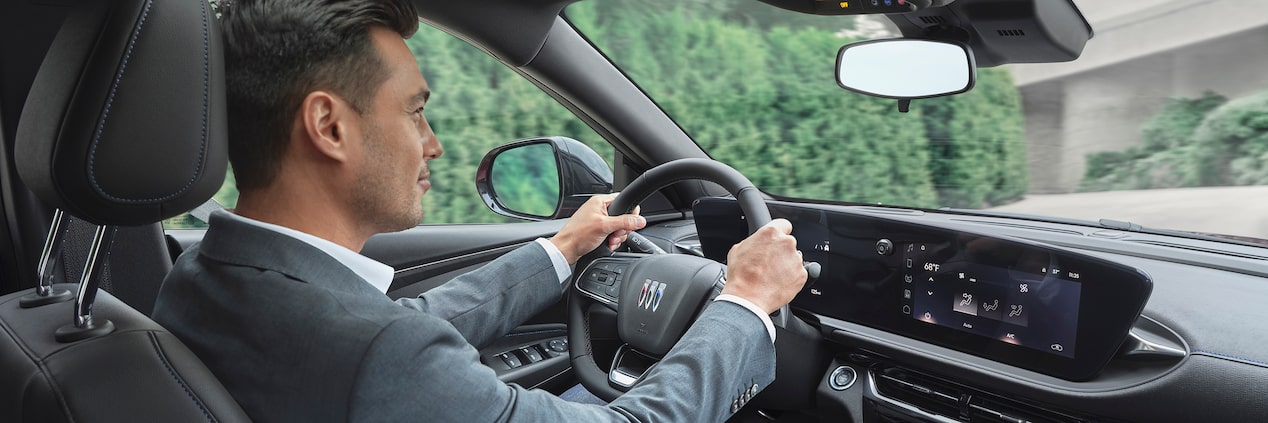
(314, 214)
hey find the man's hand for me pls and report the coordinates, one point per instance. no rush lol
(766, 267)
(591, 225)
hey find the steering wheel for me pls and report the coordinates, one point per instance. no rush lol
(656, 296)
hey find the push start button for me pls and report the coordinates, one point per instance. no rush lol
(842, 378)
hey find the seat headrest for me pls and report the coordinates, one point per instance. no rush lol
(125, 121)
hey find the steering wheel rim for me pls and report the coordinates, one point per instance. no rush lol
(755, 212)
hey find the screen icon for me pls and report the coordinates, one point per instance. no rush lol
(965, 303)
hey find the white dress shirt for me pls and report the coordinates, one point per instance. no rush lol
(380, 275)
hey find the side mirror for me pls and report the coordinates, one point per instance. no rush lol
(541, 178)
(906, 69)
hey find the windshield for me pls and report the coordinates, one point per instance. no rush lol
(1158, 127)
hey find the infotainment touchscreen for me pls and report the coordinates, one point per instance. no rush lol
(1019, 302)
(1024, 297)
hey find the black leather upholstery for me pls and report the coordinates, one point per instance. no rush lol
(125, 122)
(138, 373)
(124, 125)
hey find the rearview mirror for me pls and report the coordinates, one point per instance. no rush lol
(906, 69)
(541, 178)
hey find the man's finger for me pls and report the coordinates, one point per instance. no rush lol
(781, 225)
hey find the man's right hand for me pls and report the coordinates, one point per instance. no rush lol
(766, 268)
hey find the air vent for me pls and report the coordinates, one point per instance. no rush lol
(928, 394)
(1011, 33)
(933, 20)
(990, 409)
(941, 400)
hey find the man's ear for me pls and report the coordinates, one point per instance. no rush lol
(327, 123)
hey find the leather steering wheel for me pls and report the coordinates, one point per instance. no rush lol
(656, 296)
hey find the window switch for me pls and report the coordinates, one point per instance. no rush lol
(532, 354)
(511, 360)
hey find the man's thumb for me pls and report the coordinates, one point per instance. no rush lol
(632, 222)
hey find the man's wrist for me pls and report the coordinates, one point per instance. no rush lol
(748, 305)
(563, 269)
(564, 248)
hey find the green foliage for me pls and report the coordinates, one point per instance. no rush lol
(753, 86)
(477, 104)
(1207, 141)
(978, 153)
(1233, 141)
(1167, 156)
(764, 102)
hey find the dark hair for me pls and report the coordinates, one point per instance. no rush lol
(279, 51)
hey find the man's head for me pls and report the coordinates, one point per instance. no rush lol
(330, 82)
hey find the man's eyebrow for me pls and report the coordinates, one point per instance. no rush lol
(421, 97)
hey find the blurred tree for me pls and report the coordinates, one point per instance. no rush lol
(1169, 155)
(752, 85)
(977, 144)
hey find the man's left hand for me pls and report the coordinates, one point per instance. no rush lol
(591, 225)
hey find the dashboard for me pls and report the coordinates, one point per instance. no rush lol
(1149, 327)
(1021, 303)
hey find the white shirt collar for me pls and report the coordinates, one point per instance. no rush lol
(376, 274)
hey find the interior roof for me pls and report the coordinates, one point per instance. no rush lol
(511, 30)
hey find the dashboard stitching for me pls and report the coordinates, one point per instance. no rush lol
(1231, 358)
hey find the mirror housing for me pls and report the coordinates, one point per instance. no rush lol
(906, 69)
(541, 178)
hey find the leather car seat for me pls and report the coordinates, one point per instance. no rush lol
(124, 125)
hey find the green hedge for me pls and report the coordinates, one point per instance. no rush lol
(1206, 141)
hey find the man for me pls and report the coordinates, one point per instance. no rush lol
(329, 146)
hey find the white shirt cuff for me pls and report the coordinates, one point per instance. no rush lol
(770, 327)
(562, 269)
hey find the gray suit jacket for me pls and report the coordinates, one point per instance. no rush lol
(296, 336)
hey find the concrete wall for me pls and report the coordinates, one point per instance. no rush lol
(1101, 108)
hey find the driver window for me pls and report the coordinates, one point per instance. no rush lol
(477, 104)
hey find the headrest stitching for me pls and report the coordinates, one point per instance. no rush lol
(92, 155)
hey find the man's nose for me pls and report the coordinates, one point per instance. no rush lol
(431, 144)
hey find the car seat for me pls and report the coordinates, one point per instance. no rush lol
(123, 126)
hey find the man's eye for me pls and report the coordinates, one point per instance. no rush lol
(418, 112)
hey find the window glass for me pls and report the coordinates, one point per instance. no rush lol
(1163, 128)
(477, 104)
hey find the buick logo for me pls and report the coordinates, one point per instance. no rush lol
(649, 299)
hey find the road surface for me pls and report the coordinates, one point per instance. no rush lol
(1241, 211)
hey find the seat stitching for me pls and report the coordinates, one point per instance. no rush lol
(163, 358)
